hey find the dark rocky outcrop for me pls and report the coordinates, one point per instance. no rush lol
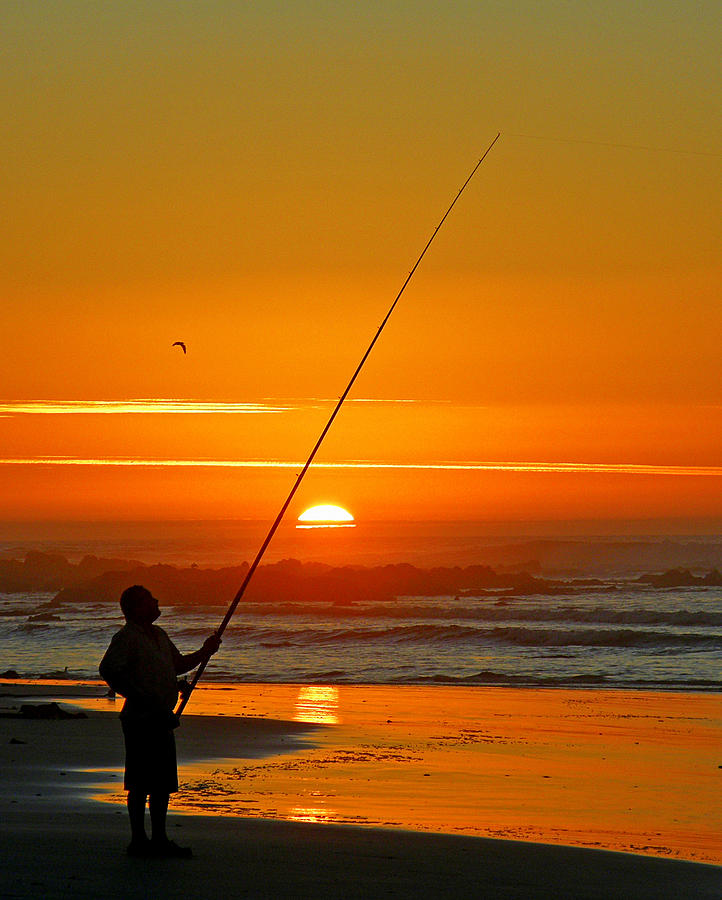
(683, 578)
(52, 571)
(293, 581)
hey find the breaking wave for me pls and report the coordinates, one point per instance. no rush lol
(423, 634)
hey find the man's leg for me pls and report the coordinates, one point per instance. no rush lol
(158, 812)
(136, 814)
(135, 781)
(160, 843)
(161, 753)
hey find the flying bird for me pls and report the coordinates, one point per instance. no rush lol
(181, 345)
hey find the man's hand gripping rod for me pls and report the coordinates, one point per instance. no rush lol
(259, 556)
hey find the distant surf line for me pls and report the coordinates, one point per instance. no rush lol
(519, 467)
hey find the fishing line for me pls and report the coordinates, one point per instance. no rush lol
(236, 600)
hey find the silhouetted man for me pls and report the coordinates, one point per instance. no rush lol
(142, 663)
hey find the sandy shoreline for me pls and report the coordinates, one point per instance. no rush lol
(289, 768)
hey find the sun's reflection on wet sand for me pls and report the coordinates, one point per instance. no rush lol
(317, 704)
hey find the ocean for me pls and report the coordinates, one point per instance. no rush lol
(612, 631)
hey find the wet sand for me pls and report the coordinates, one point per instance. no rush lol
(278, 778)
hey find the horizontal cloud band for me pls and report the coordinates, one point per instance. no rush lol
(164, 406)
(133, 407)
(525, 467)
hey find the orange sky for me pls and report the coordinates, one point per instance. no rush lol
(258, 182)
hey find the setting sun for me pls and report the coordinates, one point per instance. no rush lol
(326, 513)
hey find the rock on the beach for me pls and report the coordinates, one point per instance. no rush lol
(48, 711)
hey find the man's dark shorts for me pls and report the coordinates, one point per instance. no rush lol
(150, 760)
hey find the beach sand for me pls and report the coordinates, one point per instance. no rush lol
(372, 791)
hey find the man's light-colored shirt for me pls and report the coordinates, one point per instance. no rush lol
(142, 665)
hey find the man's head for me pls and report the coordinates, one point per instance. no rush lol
(139, 605)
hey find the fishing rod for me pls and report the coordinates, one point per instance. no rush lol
(299, 478)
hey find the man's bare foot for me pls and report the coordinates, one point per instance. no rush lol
(139, 847)
(168, 848)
